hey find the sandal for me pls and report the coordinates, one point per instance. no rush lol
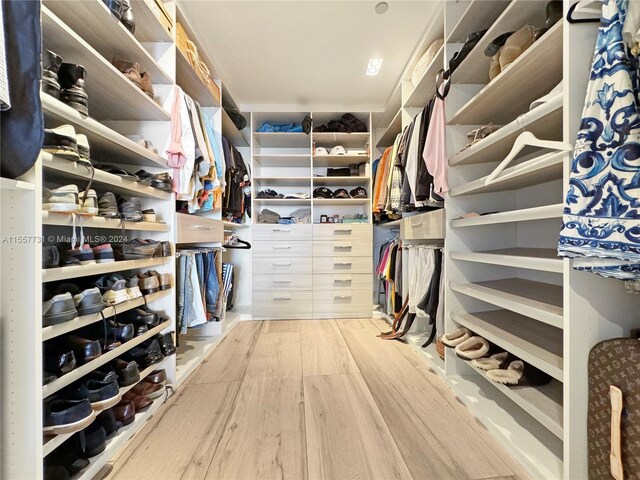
(454, 338)
(474, 347)
(493, 362)
(474, 136)
(519, 373)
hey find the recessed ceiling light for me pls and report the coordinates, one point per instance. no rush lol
(382, 7)
(374, 66)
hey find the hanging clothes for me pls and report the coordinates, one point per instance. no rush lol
(435, 148)
(601, 218)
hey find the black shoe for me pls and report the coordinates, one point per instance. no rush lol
(84, 349)
(50, 65)
(166, 343)
(141, 316)
(306, 124)
(122, 332)
(115, 6)
(62, 142)
(496, 44)
(102, 394)
(107, 420)
(50, 256)
(146, 354)
(469, 44)
(66, 416)
(72, 79)
(58, 362)
(127, 16)
(127, 372)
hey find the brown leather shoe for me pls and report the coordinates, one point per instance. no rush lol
(131, 70)
(157, 376)
(148, 389)
(164, 279)
(124, 411)
(148, 283)
(146, 85)
(140, 402)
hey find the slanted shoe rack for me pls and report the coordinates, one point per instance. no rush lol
(87, 33)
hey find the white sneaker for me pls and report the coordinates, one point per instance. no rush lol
(63, 199)
(88, 205)
(115, 297)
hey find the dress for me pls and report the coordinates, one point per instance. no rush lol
(601, 217)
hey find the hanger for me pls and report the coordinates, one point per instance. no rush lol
(526, 139)
(585, 7)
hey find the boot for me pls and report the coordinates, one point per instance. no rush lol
(72, 79)
(115, 6)
(131, 70)
(554, 13)
(127, 16)
(146, 85)
(50, 66)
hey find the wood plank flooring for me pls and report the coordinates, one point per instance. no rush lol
(309, 399)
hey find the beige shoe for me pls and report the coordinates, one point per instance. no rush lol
(494, 66)
(474, 347)
(516, 45)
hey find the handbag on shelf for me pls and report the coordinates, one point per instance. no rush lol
(339, 172)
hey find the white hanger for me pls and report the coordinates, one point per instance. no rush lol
(526, 139)
(589, 7)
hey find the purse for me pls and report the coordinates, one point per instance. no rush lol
(614, 389)
(339, 172)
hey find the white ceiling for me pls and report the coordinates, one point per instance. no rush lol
(308, 53)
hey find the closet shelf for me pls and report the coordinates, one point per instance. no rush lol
(341, 201)
(282, 140)
(542, 169)
(474, 69)
(426, 88)
(282, 181)
(338, 160)
(479, 15)
(191, 83)
(106, 145)
(235, 225)
(56, 441)
(341, 181)
(89, 367)
(16, 185)
(56, 167)
(92, 21)
(111, 95)
(63, 273)
(391, 131)
(66, 220)
(54, 331)
(544, 259)
(232, 133)
(534, 342)
(148, 27)
(537, 300)
(283, 160)
(331, 139)
(282, 201)
(532, 75)
(522, 215)
(544, 403)
(544, 121)
(391, 224)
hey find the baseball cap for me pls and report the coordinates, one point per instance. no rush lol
(341, 193)
(321, 151)
(358, 192)
(338, 150)
(322, 192)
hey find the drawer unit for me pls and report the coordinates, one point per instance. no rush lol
(430, 225)
(281, 281)
(355, 247)
(282, 248)
(293, 304)
(290, 266)
(195, 229)
(329, 281)
(343, 265)
(281, 233)
(341, 231)
(342, 303)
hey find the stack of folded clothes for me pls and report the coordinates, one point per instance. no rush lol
(302, 215)
(268, 216)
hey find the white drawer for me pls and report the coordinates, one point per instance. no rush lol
(355, 247)
(343, 265)
(342, 303)
(282, 248)
(274, 283)
(430, 225)
(281, 232)
(329, 281)
(271, 266)
(341, 231)
(292, 304)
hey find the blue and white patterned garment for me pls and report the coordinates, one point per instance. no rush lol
(601, 218)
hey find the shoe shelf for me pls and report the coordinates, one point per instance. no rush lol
(542, 169)
(78, 373)
(342, 181)
(191, 83)
(106, 144)
(543, 259)
(92, 21)
(66, 220)
(431, 357)
(426, 88)
(75, 271)
(347, 140)
(57, 167)
(262, 182)
(111, 95)
(338, 160)
(534, 342)
(474, 69)
(281, 140)
(282, 201)
(15, 185)
(231, 132)
(478, 15)
(148, 27)
(57, 440)
(341, 201)
(523, 215)
(54, 331)
(391, 131)
(535, 72)
(537, 300)
(544, 121)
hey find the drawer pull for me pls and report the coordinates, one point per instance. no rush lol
(288, 264)
(343, 264)
(202, 227)
(343, 247)
(282, 281)
(281, 229)
(282, 298)
(342, 281)
(416, 224)
(342, 297)
(288, 247)
(343, 230)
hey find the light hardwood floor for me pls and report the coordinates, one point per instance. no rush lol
(313, 399)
